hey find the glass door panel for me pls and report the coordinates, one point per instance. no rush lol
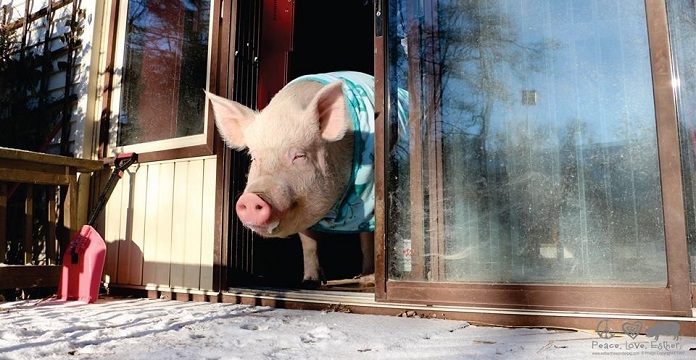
(529, 152)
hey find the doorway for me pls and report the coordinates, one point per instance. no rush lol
(296, 38)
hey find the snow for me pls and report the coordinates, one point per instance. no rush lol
(167, 329)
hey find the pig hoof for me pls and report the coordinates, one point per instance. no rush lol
(313, 279)
(311, 284)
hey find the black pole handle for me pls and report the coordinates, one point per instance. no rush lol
(121, 164)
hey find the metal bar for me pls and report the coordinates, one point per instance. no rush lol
(669, 153)
(381, 152)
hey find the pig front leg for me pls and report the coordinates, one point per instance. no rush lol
(313, 274)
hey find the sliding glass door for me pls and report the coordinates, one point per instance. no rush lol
(529, 159)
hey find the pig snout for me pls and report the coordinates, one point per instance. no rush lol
(254, 212)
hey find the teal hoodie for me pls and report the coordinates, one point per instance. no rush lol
(355, 211)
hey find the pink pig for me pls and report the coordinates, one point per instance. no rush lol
(312, 164)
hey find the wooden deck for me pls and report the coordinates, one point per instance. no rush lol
(31, 168)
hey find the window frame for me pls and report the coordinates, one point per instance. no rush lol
(673, 299)
(167, 149)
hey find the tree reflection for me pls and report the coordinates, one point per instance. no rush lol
(166, 63)
(538, 139)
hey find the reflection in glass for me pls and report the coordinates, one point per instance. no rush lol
(682, 25)
(164, 71)
(532, 153)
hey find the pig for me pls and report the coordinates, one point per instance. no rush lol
(312, 163)
(669, 328)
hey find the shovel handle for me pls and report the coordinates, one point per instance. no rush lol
(121, 164)
(123, 161)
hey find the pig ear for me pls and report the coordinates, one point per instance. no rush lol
(330, 109)
(231, 118)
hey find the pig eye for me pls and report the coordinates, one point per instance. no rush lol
(298, 156)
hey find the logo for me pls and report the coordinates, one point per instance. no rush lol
(632, 329)
(655, 344)
(668, 328)
(603, 330)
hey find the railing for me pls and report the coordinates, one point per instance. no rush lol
(38, 215)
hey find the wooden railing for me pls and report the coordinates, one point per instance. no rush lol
(31, 241)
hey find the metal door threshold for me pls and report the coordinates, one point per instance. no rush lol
(310, 296)
(349, 298)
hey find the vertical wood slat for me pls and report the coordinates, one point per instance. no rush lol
(208, 224)
(140, 210)
(149, 224)
(113, 234)
(164, 222)
(70, 206)
(178, 239)
(124, 226)
(192, 243)
(51, 241)
(28, 223)
(3, 221)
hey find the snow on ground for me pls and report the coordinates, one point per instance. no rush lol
(165, 329)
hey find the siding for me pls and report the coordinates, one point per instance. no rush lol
(13, 13)
(159, 226)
